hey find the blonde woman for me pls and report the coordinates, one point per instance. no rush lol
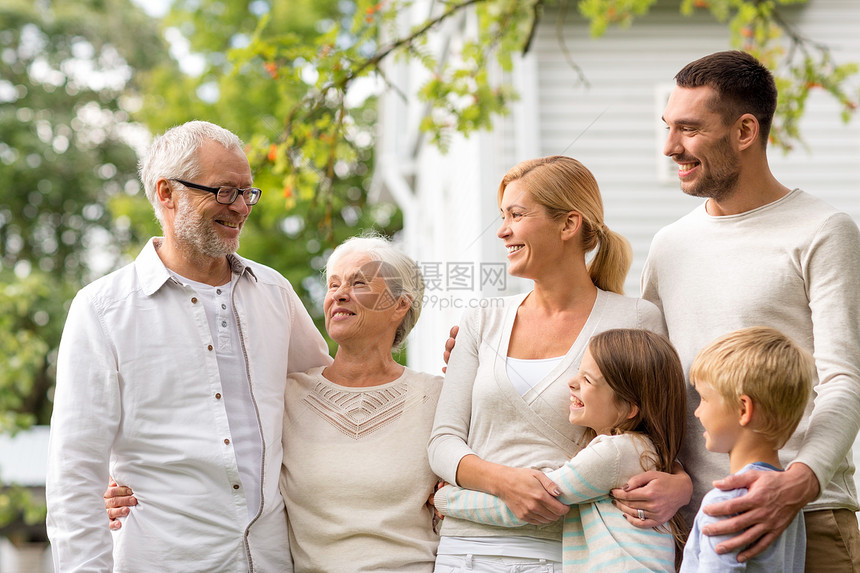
(502, 418)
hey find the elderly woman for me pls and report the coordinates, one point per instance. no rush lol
(356, 477)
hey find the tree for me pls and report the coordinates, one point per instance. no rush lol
(292, 228)
(66, 155)
(462, 95)
(65, 91)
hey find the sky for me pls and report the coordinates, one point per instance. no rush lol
(179, 46)
(154, 7)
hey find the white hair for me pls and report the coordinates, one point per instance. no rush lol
(402, 275)
(173, 155)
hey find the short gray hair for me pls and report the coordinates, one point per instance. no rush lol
(402, 275)
(173, 155)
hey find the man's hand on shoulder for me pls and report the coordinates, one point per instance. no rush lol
(764, 512)
(449, 346)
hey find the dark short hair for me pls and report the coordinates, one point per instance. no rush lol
(742, 85)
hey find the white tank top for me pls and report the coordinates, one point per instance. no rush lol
(525, 374)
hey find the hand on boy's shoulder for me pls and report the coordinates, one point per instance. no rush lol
(716, 496)
(761, 515)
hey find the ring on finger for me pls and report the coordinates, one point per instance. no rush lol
(641, 514)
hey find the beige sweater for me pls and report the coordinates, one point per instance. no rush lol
(481, 413)
(793, 265)
(356, 475)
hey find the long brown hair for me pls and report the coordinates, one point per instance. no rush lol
(562, 184)
(643, 369)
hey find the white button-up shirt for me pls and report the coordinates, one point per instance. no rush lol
(139, 397)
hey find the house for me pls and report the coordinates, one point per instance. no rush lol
(23, 458)
(612, 125)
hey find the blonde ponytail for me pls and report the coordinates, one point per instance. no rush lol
(608, 269)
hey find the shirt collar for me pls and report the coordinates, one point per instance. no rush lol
(153, 274)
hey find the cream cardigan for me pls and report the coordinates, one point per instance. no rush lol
(480, 413)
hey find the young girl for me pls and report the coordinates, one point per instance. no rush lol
(630, 394)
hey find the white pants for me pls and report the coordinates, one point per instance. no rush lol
(491, 564)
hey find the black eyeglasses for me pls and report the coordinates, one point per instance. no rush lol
(227, 195)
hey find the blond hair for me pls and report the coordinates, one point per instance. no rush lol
(764, 364)
(562, 184)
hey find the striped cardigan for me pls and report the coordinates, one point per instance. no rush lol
(597, 537)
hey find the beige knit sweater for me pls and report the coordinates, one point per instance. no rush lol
(356, 476)
(794, 265)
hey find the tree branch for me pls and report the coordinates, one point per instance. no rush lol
(313, 100)
(537, 10)
(559, 30)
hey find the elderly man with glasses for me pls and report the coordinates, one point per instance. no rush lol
(170, 378)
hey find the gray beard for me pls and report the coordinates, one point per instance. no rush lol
(196, 237)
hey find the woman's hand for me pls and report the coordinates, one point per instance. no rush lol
(659, 495)
(530, 494)
(431, 501)
(431, 505)
(449, 346)
(118, 499)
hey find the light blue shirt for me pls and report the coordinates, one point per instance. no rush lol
(786, 554)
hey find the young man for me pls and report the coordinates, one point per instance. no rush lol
(170, 378)
(759, 253)
(753, 385)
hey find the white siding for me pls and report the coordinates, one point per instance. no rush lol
(612, 125)
(615, 120)
(448, 200)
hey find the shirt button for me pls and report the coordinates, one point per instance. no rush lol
(227, 441)
(224, 306)
(235, 486)
(217, 395)
(223, 323)
(209, 347)
(218, 291)
(193, 300)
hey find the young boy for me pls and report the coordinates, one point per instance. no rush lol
(754, 384)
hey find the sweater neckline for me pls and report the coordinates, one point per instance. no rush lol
(752, 212)
(576, 349)
(318, 375)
